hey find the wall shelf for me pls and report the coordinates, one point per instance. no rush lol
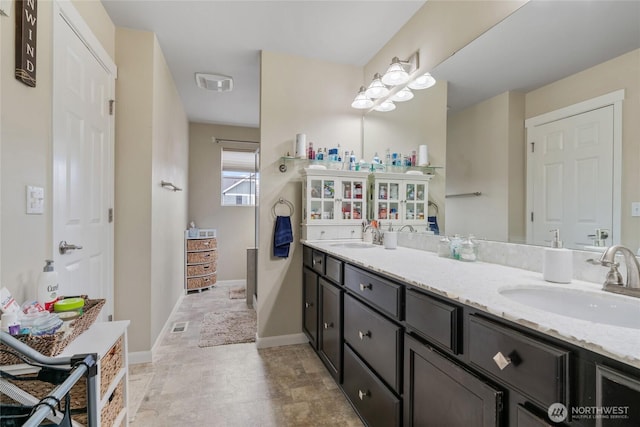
(362, 167)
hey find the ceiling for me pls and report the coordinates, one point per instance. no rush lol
(226, 37)
(540, 43)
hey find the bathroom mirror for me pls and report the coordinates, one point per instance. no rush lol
(514, 64)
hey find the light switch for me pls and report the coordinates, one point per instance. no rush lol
(35, 200)
(635, 208)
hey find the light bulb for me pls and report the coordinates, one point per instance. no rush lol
(422, 82)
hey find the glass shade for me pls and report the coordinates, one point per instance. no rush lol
(423, 82)
(376, 89)
(361, 101)
(386, 106)
(396, 74)
(404, 94)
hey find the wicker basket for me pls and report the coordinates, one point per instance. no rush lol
(52, 345)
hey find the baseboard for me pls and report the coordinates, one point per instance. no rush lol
(234, 282)
(138, 357)
(147, 356)
(281, 340)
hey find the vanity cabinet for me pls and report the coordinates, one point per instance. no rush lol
(399, 199)
(322, 307)
(334, 204)
(438, 391)
(412, 357)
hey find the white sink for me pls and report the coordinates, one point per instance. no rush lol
(599, 307)
(354, 245)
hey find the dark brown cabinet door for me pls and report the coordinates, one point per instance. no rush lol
(618, 396)
(439, 392)
(310, 306)
(330, 339)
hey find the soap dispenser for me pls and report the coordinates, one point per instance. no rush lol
(558, 262)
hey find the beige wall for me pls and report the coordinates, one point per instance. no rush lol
(619, 73)
(485, 153)
(298, 95)
(235, 225)
(25, 156)
(151, 146)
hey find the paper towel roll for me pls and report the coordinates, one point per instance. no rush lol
(423, 156)
(301, 146)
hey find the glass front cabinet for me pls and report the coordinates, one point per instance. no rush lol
(334, 203)
(399, 199)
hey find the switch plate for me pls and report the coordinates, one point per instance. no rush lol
(635, 208)
(35, 200)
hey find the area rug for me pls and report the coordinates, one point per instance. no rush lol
(228, 327)
(238, 293)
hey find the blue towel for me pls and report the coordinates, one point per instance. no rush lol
(282, 237)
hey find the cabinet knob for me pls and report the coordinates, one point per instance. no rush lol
(308, 304)
(328, 325)
(363, 286)
(501, 360)
(362, 335)
(362, 394)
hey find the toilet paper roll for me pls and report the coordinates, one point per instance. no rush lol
(423, 156)
(301, 146)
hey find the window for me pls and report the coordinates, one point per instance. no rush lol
(240, 178)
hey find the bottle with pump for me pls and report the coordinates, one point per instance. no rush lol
(48, 289)
(557, 265)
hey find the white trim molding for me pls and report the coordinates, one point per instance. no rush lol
(281, 340)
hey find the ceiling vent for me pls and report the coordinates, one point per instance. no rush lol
(216, 82)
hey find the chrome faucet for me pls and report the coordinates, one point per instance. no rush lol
(613, 282)
(411, 229)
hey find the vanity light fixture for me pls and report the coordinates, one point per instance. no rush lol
(386, 105)
(396, 74)
(402, 95)
(394, 86)
(377, 89)
(424, 81)
(361, 101)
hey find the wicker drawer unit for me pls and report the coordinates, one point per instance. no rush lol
(201, 260)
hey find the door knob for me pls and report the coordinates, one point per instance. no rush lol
(64, 247)
(501, 360)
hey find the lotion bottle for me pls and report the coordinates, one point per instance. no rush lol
(48, 289)
(558, 262)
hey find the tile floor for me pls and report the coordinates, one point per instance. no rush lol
(232, 385)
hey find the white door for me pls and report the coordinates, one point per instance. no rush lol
(82, 168)
(572, 177)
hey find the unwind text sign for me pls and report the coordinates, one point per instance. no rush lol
(26, 18)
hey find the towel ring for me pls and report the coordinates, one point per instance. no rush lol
(285, 202)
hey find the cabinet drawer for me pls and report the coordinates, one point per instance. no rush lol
(333, 269)
(201, 269)
(201, 257)
(110, 365)
(376, 339)
(307, 256)
(113, 406)
(368, 395)
(525, 418)
(433, 319)
(317, 262)
(201, 244)
(201, 282)
(536, 369)
(384, 294)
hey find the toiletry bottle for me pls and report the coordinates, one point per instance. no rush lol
(557, 265)
(455, 246)
(376, 159)
(48, 288)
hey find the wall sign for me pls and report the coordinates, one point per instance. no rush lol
(26, 19)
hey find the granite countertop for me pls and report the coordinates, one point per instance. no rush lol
(477, 284)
